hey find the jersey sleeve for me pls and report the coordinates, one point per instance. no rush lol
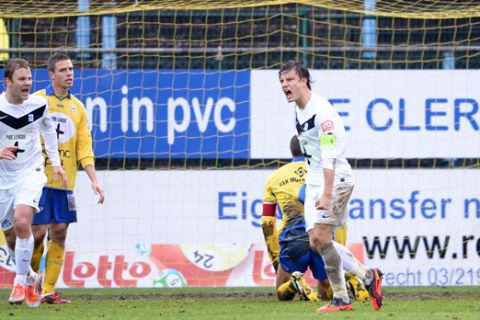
(269, 222)
(328, 124)
(84, 142)
(268, 196)
(50, 137)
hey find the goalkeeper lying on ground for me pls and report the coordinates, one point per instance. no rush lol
(289, 248)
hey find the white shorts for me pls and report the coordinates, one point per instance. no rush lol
(27, 191)
(336, 214)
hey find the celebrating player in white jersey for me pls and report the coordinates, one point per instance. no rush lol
(22, 118)
(329, 183)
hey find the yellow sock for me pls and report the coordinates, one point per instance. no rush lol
(329, 293)
(53, 266)
(286, 291)
(37, 256)
(340, 235)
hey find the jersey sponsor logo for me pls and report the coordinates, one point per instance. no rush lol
(18, 123)
(307, 125)
(59, 131)
(327, 126)
(64, 127)
(300, 171)
(18, 150)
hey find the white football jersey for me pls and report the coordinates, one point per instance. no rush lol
(322, 136)
(20, 125)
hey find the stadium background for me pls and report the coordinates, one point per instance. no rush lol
(188, 120)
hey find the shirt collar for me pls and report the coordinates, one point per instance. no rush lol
(50, 92)
(298, 159)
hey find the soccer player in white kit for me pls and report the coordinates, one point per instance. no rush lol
(329, 182)
(22, 118)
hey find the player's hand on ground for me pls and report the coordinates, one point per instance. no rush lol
(58, 171)
(323, 202)
(8, 153)
(97, 188)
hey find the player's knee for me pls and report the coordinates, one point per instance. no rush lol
(60, 241)
(38, 235)
(21, 225)
(59, 236)
(314, 243)
(317, 240)
(320, 235)
(323, 248)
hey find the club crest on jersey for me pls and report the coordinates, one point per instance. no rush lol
(307, 125)
(327, 126)
(30, 117)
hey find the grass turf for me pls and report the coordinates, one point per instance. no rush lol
(244, 303)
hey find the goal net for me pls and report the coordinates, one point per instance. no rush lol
(188, 121)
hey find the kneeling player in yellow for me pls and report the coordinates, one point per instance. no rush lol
(57, 202)
(289, 248)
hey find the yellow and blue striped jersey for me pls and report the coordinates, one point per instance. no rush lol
(73, 134)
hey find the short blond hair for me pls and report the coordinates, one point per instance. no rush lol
(13, 65)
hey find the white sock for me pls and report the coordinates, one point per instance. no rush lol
(334, 269)
(23, 254)
(350, 263)
(32, 276)
(20, 279)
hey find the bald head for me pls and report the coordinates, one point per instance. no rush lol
(295, 148)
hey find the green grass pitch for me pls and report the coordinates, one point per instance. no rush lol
(244, 303)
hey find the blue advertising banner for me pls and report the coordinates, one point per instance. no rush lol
(164, 113)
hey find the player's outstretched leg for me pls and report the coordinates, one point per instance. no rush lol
(374, 288)
(303, 289)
